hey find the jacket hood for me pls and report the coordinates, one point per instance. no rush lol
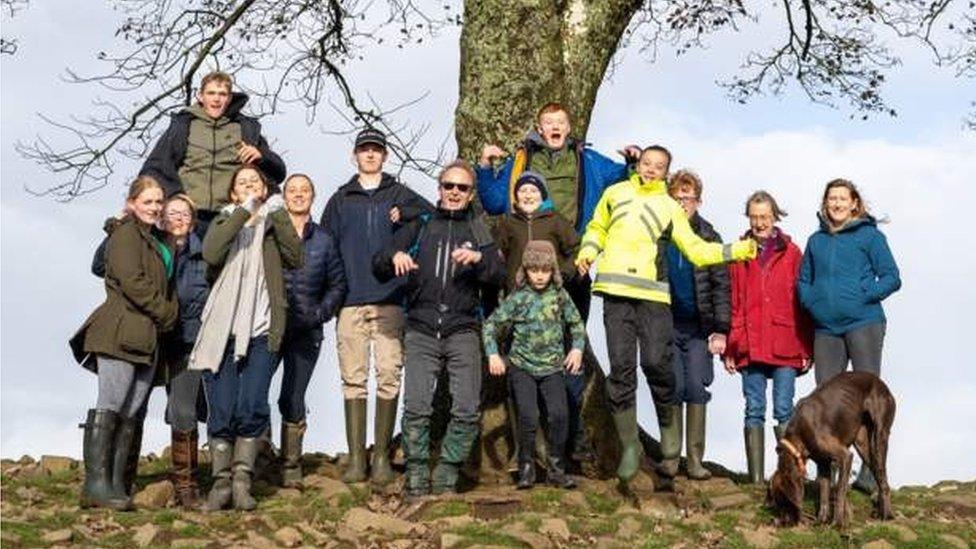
(866, 219)
(237, 102)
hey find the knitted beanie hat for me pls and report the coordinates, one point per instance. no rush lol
(532, 178)
(539, 254)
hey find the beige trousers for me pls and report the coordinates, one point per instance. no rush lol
(365, 328)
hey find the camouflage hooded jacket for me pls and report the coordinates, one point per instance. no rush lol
(538, 320)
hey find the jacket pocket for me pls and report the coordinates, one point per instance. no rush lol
(137, 334)
(785, 340)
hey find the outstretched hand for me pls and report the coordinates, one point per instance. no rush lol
(490, 153)
(730, 365)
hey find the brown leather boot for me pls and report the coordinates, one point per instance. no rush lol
(184, 454)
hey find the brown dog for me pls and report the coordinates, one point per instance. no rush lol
(852, 408)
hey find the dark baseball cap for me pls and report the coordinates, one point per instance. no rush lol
(370, 135)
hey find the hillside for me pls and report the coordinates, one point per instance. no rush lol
(39, 508)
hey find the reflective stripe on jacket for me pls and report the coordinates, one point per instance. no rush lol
(631, 225)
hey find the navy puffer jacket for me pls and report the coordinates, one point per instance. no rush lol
(317, 290)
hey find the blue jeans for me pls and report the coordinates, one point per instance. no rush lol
(237, 394)
(754, 389)
(299, 351)
(693, 368)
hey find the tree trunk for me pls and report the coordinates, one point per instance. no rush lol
(517, 55)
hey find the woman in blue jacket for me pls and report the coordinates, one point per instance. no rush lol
(847, 271)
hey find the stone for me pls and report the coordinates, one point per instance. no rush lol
(257, 541)
(556, 528)
(761, 537)
(29, 495)
(320, 538)
(362, 521)
(628, 528)
(289, 537)
(145, 535)
(574, 498)
(450, 523)
(289, 493)
(9, 539)
(57, 464)
(25, 460)
(877, 544)
(329, 489)
(346, 534)
(729, 500)
(954, 541)
(155, 496)
(179, 525)
(449, 540)
(58, 536)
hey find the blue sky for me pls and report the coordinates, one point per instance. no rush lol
(918, 169)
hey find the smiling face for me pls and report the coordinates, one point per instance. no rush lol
(762, 220)
(688, 199)
(539, 277)
(653, 165)
(840, 205)
(177, 218)
(299, 195)
(369, 158)
(554, 128)
(146, 206)
(248, 183)
(214, 98)
(455, 189)
(528, 198)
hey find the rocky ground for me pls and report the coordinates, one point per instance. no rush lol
(39, 508)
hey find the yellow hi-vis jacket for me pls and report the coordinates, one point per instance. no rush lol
(629, 232)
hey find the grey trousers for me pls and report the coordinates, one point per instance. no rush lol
(425, 357)
(861, 347)
(122, 386)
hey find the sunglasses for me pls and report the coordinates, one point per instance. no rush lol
(450, 186)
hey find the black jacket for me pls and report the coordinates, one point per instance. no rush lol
(315, 292)
(167, 156)
(713, 293)
(360, 222)
(443, 297)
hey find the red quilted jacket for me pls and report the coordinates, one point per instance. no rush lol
(768, 324)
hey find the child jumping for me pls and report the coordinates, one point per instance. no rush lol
(538, 312)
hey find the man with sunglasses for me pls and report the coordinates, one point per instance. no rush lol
(362, 216)
(447, 259)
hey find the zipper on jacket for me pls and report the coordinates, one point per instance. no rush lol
(213, 164)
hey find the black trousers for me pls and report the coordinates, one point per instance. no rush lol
(525, 389)
(633, 323)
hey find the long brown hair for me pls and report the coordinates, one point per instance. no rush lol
(860, 210)
(140, 184)
(233, 177)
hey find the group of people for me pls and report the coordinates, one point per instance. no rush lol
(216, 273)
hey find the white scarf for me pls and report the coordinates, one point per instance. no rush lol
(230, 306)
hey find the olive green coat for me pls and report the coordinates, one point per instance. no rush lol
(140, 303)
(282, 249)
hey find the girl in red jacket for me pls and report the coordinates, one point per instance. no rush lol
(770, 335)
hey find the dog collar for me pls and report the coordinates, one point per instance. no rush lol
(789, 447)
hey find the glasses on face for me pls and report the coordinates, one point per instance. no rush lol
(450, 186)
(179, 215)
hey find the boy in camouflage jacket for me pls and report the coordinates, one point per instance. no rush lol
(538, 312)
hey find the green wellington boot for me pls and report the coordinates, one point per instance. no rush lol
(455, 449)
(779, 430)
(631, 451)
(97, 490)
(292, 436)
(416, 450)
(221, 458)
(670, 420)
(380, 471)
(245, 454)
(695, 441)
(356, 438)
(755, 453)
